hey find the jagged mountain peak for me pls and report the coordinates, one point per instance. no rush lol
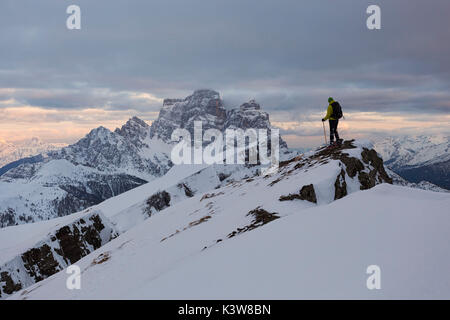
(134, 130)
(99, 131)
(138, 121)
(207, 106)
(203, 105)
(251, 105)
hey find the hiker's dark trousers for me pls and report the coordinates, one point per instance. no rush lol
(333, 130)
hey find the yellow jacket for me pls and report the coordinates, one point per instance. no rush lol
(329, 112)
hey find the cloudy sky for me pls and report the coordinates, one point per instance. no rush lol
(290, 56)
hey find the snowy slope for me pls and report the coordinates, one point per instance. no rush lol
(17, 239)
(318, 252)
(230, 200)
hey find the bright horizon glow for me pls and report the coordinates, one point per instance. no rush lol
(68, 126)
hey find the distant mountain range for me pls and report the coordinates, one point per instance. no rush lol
(418, 158)
(13, 151)
(52, 180)
(106, 163)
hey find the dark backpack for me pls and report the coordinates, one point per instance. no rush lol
(337, 110)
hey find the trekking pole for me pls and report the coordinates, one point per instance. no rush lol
(324, 133)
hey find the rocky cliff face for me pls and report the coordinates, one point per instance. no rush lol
(207, 106)
(202, 105)
(249, 115)
(60, 248)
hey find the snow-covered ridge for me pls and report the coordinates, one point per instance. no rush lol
(275, 237)
(232, 200)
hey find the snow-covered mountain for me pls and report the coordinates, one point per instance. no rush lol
(230, 199)
(418, 158)
(101, 165)
(106, 163)
(309, 230)
(424, 185)
(13, 151)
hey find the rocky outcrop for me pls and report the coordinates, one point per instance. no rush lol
(340, 186)
(157, 202)
(260, 217)
(362, 167)
(370, 171)
(306, 193)
(59, 249)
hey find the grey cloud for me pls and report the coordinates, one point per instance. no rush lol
(290, 55)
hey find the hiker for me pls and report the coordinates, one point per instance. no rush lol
(334, 113)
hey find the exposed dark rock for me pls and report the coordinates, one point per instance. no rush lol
(199, 221)
(187, 191)
(9, 285)
(223, 176)
(40, 263)
(7, 218)
(306, 193)
(371, 157)
(261, 217)
(340, 186)
(352, 165)
(70, 242)
(158, 201)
